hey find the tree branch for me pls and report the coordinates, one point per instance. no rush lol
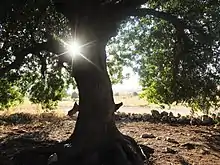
(163, 15)
(20, 56)
(51, 45)
(179, 24)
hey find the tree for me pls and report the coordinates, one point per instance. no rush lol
(175, 63)
(31, 43)
(96, 138)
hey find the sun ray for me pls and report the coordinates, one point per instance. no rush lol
(74, 48)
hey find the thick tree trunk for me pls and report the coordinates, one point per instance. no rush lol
(95, 130)
(96, 104)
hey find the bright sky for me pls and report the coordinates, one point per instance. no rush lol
(131, 84)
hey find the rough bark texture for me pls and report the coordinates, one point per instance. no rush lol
(95, 131)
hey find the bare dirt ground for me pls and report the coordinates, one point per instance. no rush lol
(174, 145)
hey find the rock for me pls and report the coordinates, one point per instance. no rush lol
(183, 120)
(189, 146)
(164, 113)
(158, 138)
(195, 121)
(171, 140)
(146, 135)
(171, 114)
(206, 120)
(165, 119)
(147, 117)
(2, 122)
(214, 116)
(131, 117)
(122, 115)
(170, 150)
(173, 120)
(138, 117)
(204, 151)
(155, 114)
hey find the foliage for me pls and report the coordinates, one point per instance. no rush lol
(176, 62)
(48, 93)
(33, 34)
(10, 94)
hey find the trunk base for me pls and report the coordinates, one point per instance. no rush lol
(122, 151)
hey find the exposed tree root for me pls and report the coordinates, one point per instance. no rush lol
(122, 151)
(76, 108)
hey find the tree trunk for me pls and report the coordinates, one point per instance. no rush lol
(96, 104)
(95, 130)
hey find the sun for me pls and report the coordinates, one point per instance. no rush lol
(74, 48)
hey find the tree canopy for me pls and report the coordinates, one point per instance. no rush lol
(172, 44)
(177, 59)
(34, 60)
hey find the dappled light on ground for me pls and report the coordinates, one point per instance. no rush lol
(172, 143)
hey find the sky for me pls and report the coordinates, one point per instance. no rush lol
(129, 85)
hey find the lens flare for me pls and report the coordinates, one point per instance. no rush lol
(74, 48)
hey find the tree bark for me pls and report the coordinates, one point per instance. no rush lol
(95, 130)
(96, 104)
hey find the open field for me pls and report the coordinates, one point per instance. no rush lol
(188, 145)
(131, 104)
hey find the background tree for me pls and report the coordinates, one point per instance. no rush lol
(177, 61)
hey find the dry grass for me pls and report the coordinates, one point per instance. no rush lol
(131, 104)
(131, 101)
(28, 107)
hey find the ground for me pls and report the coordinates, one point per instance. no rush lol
(174, 145)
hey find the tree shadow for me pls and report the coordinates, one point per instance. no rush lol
(25, 132)
(14, 143)
(26, 118)
(213, 142)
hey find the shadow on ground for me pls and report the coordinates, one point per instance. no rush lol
(14, 143)
(22, 131)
